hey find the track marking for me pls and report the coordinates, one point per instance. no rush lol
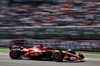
(4, 54)
(93, 59)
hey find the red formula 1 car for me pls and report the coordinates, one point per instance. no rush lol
(37, 52)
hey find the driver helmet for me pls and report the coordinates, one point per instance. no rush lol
(69, 50)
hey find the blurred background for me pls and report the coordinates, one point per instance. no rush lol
(15, 13)
(76, 38)
(63, 33)
(62, 24)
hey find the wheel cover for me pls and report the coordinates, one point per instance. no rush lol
(56, 56)
(12, 54)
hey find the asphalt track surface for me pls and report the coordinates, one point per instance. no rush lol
(91, 60)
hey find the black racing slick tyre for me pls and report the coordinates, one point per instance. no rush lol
(81, 55)
(58, 56)
(14, 54)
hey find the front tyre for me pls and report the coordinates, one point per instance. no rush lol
(81, 55)
(14, 54)
(58, 56)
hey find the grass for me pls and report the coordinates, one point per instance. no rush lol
(4, 48)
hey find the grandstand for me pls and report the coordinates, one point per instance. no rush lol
(29, 13)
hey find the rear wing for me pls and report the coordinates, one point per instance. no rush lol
(15, 47)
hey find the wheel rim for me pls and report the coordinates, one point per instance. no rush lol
(12, 54)
(56, 56)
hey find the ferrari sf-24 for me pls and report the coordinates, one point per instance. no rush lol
(38, 52)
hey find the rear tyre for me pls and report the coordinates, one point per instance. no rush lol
(58, 56)
(15, 54)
